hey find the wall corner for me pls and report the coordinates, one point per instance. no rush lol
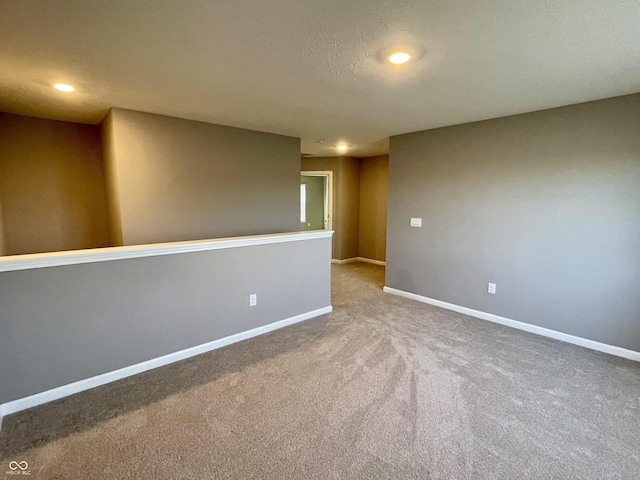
(111, 180)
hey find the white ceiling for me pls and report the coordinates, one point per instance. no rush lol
(315, 68)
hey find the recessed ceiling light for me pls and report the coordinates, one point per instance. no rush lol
(399, 58)
(342, 148)
(63, 87)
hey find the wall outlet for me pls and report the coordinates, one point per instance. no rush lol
(415, 222)
(492, 288)
(253, 299)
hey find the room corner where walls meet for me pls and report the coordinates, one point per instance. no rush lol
(359, 204)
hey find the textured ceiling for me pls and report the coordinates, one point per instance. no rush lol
(316, 69)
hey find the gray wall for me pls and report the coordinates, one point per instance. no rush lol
(111, 186)
(349, 191)
(51, 185)
(374, 179)
(546, 205)
(346, 200)
(63, 324)
(172, 179)
(2, 241)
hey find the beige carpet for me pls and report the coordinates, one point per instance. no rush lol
(384, 387)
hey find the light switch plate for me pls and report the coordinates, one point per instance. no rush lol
(415, 222)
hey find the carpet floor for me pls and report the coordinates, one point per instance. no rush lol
(382, 388)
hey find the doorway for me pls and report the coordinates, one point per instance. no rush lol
(316, 201)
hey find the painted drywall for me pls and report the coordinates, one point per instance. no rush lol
(111, 186)
(68, 323)
(374, 180)
(546, 205)
(177, 179)
(2, 242)
(346, 201)
(51, 185)
(314, 203)
(349, 185)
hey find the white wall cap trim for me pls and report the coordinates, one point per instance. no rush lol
(93, 255)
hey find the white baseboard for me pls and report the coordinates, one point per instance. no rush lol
(371, 260)
(86, 384)
(346, 260)
(527, 327)
(358, 259)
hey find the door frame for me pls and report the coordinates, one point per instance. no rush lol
(328, 194)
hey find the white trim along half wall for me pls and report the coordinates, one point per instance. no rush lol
(74, 257)
(120, 313)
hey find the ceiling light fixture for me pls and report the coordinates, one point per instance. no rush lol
(63, 87)
(399, 58)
